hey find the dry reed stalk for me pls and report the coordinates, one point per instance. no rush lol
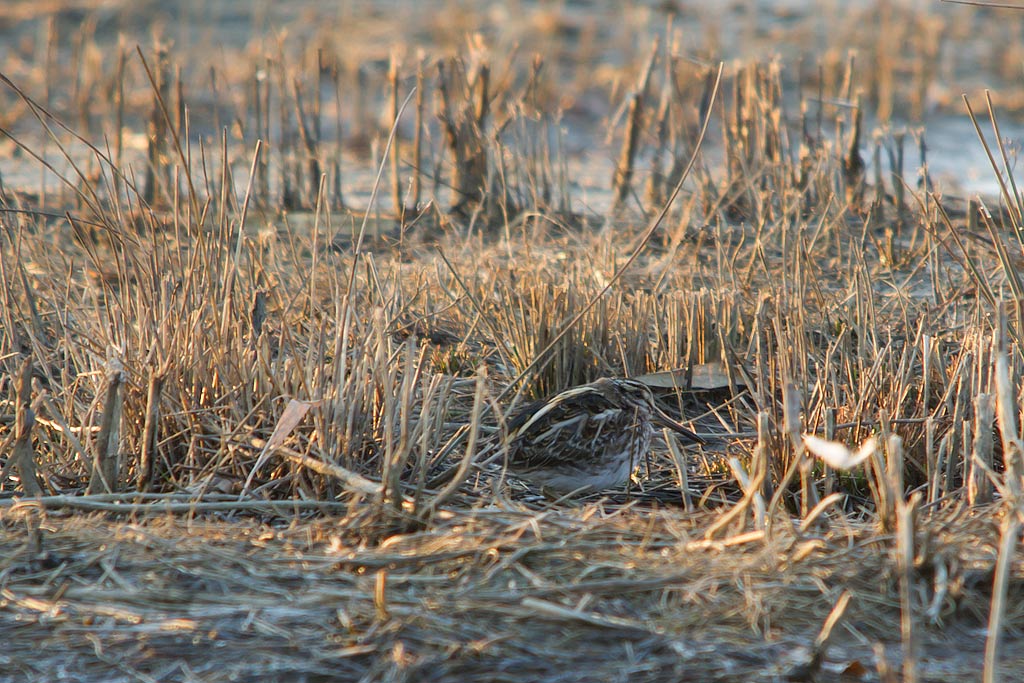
(350, 480)
(461, 472)
(829, 475)
(621, 182)
(894, 476)
(905, 554)
(119, 105)
(22, 457)
(157, 171)
(879, 487)
(106, 475)
(809, 670)
(679, 461)
(934, 459)
(1011, 490)
(162, 126)
(1010, 196)
(417, 142)
(792, 427)
(55, 414)
(151, 429)
(465, 101)
(1007, 410)
(395, 157)
(308, 125)
(1009, 537)
(751, 487)
(877, 211)
(380, 595)
(761, 463)
(797, 462)
(156, 504)
(656, 183)
(886, 673)
(853, 163)
(979, 487)
(337, 186)
(1015, 203)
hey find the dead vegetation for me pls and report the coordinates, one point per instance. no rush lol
(249, 350)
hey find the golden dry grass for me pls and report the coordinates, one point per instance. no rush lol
(499, 593)
(232, 364)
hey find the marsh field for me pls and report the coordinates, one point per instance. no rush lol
(269, 270)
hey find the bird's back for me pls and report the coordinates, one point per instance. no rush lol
(582, 430)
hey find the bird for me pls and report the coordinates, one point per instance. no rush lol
(587, 438)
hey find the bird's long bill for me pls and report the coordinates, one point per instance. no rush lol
(667, 421)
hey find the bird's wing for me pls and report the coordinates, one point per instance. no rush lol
(567, 428)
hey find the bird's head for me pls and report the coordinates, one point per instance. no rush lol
(637, 394)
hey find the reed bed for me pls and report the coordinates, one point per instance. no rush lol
(236, 363)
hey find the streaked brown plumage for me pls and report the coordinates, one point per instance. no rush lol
(587, 438)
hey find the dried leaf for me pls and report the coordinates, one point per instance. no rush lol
(706, 376)
(837, 455)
